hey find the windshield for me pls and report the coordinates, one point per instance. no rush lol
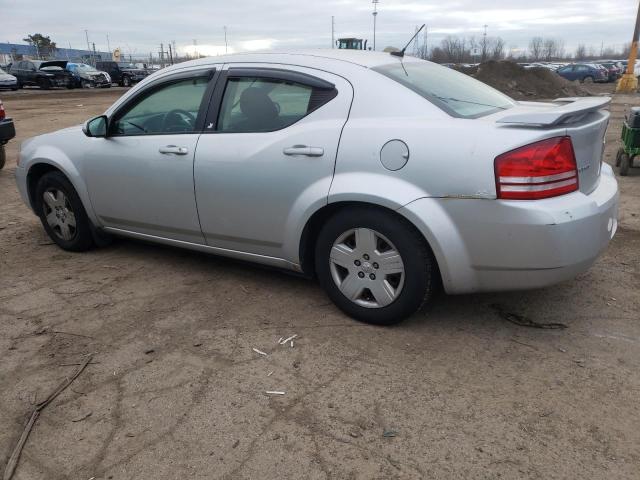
(456, 93)
(126, 65)
(83, 67)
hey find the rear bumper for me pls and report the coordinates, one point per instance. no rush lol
(492, 245)
(7, 130)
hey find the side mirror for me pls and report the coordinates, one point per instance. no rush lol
(96, 127)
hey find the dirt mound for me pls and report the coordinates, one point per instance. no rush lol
(521, 84)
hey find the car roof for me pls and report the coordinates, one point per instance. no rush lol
(306, 58)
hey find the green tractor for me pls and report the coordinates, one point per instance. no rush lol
(351, 44)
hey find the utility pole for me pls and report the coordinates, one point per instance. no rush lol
(94, 53)
(170, 54)
(333, 32)
(226, 44)
(162, 55)
(484, 43)
(86, 34)
(108, 44)
(375, 14)
(629, 83)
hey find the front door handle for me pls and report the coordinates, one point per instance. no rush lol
(304, 150)
(174, 149)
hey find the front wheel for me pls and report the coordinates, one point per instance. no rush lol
(625, 163)
(3, 157)
(619, 154)
(587, 80)
(62, 213)
(374, 265)
(44, 84)
(126, 81)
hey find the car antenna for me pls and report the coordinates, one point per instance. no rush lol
(400, 53)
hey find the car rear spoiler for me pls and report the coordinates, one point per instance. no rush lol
(561, 111)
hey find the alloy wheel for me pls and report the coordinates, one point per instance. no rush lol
(367, 268)
(59, 214)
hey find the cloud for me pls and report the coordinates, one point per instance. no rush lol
(139, 27)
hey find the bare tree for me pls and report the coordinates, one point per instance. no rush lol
(497, 48)
(535, 48)
(581, 52)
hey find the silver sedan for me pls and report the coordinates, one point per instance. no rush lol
(384, 177)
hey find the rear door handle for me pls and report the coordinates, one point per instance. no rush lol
(174, 149)
(304, 150)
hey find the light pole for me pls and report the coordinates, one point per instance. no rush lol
(375, 14)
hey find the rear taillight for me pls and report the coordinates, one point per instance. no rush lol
(2, 112)
(540, 170)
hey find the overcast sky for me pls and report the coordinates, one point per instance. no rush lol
(139, 26)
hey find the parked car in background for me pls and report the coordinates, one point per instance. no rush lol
(613, 71)
(87, 76)
(123, 73)
(381, 176)
(7, 132)
(44, 74)
(584, 73)
(7, 80)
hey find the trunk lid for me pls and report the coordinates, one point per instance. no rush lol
(582, 119)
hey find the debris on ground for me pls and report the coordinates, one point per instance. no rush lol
(288, 339)
(389, 433)
(525, 321)
(83, 417)
(259, 352)
(274, 392)
(527, 84)
(15, 455)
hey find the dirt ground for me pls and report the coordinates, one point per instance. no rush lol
(176, 391)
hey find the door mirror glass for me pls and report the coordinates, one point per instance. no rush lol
(96, 127)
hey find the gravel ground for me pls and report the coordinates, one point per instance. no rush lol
(176, 391)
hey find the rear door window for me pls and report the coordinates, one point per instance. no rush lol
(262, 104)
(456, 93)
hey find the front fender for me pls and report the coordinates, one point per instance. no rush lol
(55, 157)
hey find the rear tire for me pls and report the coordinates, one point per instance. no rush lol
(625, 163)
(62, 214)
(3, 157)
(392, 236)
(587, 80)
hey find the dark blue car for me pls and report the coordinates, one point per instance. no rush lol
(584, 72)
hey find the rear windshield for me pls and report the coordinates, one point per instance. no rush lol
(456, 93)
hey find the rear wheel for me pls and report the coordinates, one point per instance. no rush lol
(374, 266)
(62, 213)
(587, 80)
(3, 156)
(625, 162)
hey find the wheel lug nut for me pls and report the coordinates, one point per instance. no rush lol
(372, 276)
(361, 274)
(375, 265)
(365, 256)
(357, 263)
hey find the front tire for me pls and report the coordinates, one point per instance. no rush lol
(3, 157)
(625, 163)
(62, 214)
(587, 80)
(44, 84)
(126, 81)
(374, 265)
